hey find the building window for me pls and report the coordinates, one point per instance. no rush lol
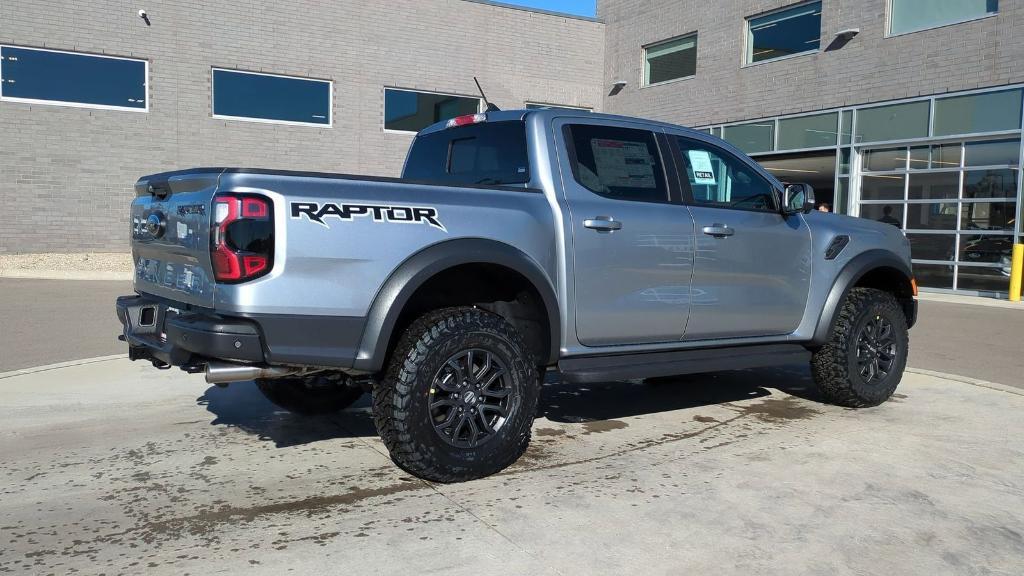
(893, 122)
(670, 60)
(974, 113)
(271, 98)
(913, 15)
(71, 79)
(751, 138)
(795, 30)
(408, 111)
(814, 131)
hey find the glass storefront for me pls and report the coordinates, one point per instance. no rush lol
(957, 203)
(945, 169)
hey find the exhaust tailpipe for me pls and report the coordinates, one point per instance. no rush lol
(226, 372)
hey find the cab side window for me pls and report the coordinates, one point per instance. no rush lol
(617, 163)
(720, 180)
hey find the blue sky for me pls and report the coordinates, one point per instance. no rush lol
(581, 7)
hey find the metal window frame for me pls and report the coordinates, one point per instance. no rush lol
(748, 47)
(69, 103)
(888, 22)
(330, 99)
(384, 103)
(645, 65)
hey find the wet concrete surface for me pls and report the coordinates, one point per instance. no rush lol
(116, 468)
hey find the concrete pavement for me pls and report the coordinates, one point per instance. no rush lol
(113, 467)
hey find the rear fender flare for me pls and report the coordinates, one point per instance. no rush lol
(417, 269)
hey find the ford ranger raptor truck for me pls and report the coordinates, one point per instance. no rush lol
(515, 242)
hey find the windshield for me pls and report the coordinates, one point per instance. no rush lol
(485, 153)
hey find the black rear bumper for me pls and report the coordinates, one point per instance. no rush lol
(155, 330)
(159, 330)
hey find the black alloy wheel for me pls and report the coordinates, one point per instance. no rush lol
(470, 398)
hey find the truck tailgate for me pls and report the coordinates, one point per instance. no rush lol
(170, 230)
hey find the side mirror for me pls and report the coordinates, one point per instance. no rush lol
(798, 198)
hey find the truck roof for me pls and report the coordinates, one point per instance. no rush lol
(521, 114)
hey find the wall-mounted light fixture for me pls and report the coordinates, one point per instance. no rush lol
(848, 34)
(145, 17)
(617, 87)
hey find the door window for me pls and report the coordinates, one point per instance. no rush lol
(617, 163)
(720, 180)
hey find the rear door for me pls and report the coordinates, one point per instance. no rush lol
(752, 267)
(170, 231)
(632, 242)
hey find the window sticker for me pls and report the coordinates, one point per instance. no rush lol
(622, 163)
(703, 171)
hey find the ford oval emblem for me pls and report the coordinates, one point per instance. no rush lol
(156, 225)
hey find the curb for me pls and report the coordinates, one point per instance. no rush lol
(58, 365)
(944, 298)
(968, 380)
(24, 273)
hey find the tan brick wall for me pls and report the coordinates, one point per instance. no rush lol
(870, 68)
(66, 173)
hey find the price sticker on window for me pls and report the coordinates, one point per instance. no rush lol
(703, 171)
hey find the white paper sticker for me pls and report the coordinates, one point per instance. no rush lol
(623, 163)
(182, 230)
(703, 171)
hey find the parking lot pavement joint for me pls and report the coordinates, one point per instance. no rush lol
(968, 380)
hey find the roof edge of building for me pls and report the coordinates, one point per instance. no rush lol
(498, 4)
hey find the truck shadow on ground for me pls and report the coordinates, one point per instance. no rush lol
(242, 406)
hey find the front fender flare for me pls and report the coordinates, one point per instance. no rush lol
(847, 278)
(417, 269)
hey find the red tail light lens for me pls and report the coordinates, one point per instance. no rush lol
(242, 239)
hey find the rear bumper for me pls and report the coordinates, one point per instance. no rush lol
(155, 330)
(174, 335)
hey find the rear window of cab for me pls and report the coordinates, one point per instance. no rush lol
(488, 153)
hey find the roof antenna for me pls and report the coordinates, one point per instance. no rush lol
(490, 107)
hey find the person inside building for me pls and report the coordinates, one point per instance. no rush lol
(824, 207)
(888, 218)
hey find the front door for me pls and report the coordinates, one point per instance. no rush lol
(752, 267)
(632, 247)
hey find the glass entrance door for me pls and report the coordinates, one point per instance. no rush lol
(957, 203)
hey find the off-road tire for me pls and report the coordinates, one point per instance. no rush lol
(834, 366)
(401, 407)
(310, 397)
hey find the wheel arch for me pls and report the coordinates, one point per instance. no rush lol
(389, 305)
(870, 269)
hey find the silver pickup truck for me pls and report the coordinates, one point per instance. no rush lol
(515, 242)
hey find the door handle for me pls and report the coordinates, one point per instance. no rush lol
(602, 224)
(718, 230)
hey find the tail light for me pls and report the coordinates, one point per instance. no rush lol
(466, 120)
(242, 240)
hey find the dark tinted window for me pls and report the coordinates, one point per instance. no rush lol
(719, 179)
(670, 60)
(619, 163)
(486, 153)
(784, 33)
(413, 111)
(65, 77)
(274, 98)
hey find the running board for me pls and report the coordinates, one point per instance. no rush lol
(589, 369)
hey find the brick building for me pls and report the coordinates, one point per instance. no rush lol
(907, 111)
